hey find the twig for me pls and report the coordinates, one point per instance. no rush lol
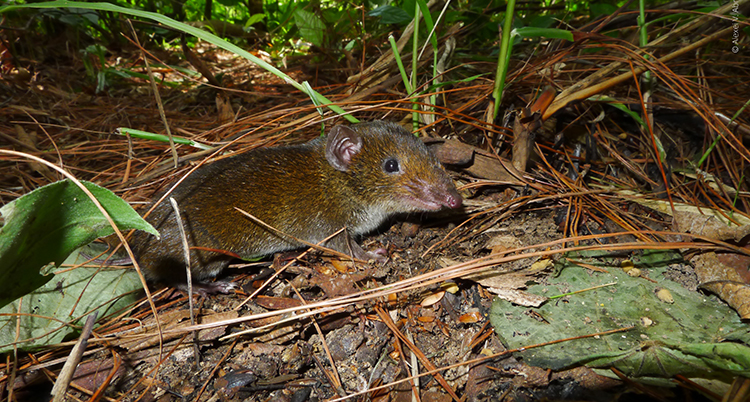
(66, 374)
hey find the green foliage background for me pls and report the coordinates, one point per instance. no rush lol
(331, 25)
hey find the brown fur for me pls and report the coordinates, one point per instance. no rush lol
(308, 191)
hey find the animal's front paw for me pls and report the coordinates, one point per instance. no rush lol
(211, 288)
(379, 255)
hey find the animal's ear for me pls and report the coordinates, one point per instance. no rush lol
(341, 146)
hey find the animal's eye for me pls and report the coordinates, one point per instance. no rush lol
(391, 165)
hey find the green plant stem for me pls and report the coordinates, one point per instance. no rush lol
(414, 59)
(643, 35)
(503, 58)
(400, 64)
(431, 26)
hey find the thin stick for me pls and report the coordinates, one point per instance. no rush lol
(188, 275)
(66, 374)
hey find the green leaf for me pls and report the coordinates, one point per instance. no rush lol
(76, 16)
(160, 137)
(409, 6)
(454, 82)
(229, 3)
(310, 26)
(254, 19)
(685, 337)
(429, 24)
(46, 225)
(46, 312)
(614, 103)
(390, 15)
(597, 9)
(533, 32)
(542, 21)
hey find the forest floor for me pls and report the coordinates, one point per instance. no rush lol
(529, 229)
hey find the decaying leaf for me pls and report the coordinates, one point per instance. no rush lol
(518, 297)
(506, 282)
(476, 162)
(720, 273)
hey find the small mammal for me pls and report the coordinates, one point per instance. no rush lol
(355, 177)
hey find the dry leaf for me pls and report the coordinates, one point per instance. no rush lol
(501, 243)
(432, 299)
(30, 140)
(471, 317)
(476, 162)
(665, 208)
(339, 284)
(720, 274)
(518, 297)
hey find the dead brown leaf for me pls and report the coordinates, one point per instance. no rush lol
(722, 273)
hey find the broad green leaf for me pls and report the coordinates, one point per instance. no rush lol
(45, 312)
(390, 15)
(74, 16)
(685, 337)
(46, 225)
(255, 18)
(310, 26)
